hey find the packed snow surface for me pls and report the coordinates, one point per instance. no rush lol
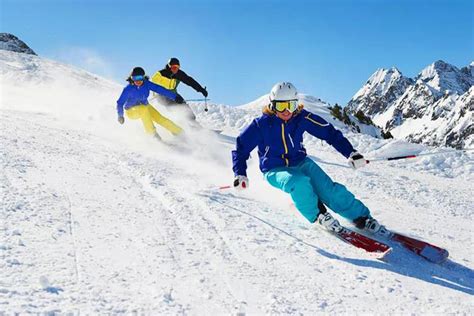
(97, 218)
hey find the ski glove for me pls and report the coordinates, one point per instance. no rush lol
(179, 99)
(241, 182)
(356, 160)
(204, 92)
(121, 119)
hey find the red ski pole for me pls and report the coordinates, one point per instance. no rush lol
(392, 158)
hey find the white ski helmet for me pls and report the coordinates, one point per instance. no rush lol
(283, 91)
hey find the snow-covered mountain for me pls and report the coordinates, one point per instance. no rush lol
(444, 78)
(11, 43)
(435, 108)
(98, 219)
(383, 87)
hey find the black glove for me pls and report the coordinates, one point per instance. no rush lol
(241, 182)
(179, 99)
(204, 92)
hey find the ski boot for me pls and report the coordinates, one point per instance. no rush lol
(372, 226)
(329, 222)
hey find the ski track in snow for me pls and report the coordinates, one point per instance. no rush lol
(96, 219)
(89, 227)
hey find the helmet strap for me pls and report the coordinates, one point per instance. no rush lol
(270, 107)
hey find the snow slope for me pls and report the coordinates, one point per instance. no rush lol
(96, 218)
(233, 119)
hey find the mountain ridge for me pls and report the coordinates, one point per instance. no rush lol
(12, 43)
(422, 106)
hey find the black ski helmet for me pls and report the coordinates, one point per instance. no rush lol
(137, 71)
(173, 61)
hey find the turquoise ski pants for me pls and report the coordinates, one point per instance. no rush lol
(307, 183)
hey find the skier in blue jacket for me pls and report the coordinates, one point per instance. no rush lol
(278, 133)
(134, 99)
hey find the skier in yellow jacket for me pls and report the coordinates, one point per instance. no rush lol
(170, 77)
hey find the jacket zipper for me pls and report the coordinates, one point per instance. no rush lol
(284, 144)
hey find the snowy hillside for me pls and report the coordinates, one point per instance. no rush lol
(435, 108)
(422, 118)
(32, 83)
(233, 119)
(99, 219)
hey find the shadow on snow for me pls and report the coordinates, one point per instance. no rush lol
(449, 274)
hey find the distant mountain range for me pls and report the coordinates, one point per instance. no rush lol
(435, 108)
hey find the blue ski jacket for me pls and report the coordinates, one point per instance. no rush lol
(133, 95)
(280, 143)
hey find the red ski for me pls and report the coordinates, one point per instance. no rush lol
(425, 250)
(362, 242)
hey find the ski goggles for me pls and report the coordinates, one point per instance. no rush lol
(138, 78)
(174, 67)
(282, 106)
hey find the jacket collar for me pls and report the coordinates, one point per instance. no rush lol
(293, 118)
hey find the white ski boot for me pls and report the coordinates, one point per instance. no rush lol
(372, 226)
(329, 222)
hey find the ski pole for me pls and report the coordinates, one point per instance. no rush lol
(197, 100)
(205, 101)
(225, 187)
(417, 155)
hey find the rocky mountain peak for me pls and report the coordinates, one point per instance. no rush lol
(382, 88)
(12, 43)
(468, 70)
(384, 77)
(436, 108)
(442, 77)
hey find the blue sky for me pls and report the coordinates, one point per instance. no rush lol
(239, 49)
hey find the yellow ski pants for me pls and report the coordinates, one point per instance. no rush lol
(148, 114)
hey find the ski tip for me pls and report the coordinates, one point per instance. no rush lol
(434, 255)
(384, 256)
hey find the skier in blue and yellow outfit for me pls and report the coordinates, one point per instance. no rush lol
(134, 99)
(278, 133)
